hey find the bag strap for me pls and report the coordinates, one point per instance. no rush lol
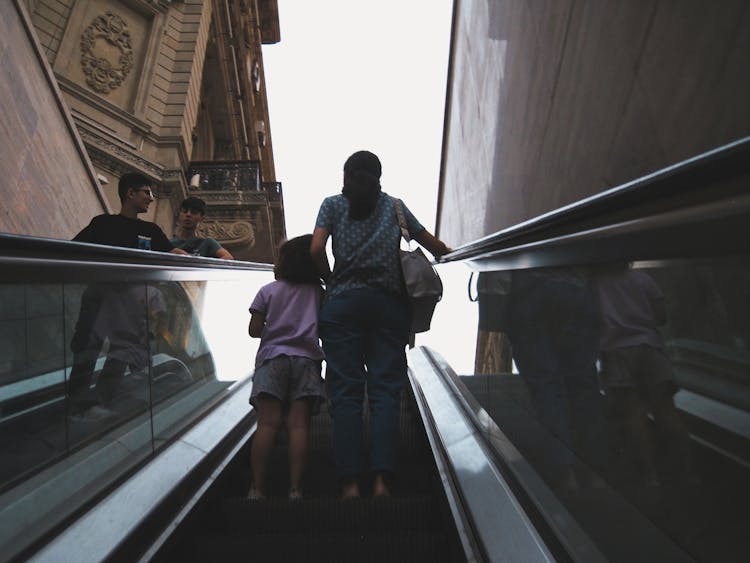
(401, 219)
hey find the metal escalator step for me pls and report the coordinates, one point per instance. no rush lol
(372, 547)
(414, 513)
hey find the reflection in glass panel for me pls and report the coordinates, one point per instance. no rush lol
(199, 347)
(32, 410)
(108, 379)
(182, 366)
(631, 398)
(94, 377)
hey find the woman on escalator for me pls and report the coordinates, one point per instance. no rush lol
(364, 321)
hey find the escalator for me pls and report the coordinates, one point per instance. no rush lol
(164, 474)
(414, 524)
(450, 500)
(168, 480)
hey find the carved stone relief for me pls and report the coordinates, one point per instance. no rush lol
(106, 52)
(229, 234)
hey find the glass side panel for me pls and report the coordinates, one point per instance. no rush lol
(108, 363)
(95, 377)
(627, 388)
(32, 378)
(199, 346)
(454, 329)
(225, 317)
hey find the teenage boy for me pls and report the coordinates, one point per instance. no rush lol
(116, 312)
(125, 229)
(192, 212)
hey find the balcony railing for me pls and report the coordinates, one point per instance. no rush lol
(273, 189)
(233, 175)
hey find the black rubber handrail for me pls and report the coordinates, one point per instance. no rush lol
(695, 182)
(20, 247)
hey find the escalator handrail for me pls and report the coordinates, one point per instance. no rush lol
(140, 512)
(498, 521)
(692, 183)
(26, 250)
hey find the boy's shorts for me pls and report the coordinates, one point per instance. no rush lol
(289, 378)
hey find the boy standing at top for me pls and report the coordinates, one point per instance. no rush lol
(125, 229)
(192, 212)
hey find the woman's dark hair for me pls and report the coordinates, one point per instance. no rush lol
(362, 184)
(295, 263)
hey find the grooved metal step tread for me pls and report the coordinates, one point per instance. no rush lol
(330, 548)
(330, 515)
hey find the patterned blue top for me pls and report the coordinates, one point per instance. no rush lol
(365, 252)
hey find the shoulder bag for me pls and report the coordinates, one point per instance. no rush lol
(422, 283)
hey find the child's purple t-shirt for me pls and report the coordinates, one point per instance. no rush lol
(291, 312)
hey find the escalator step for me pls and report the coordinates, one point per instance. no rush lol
(416, 513)
(330, 548)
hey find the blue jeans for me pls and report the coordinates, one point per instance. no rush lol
(364, 334)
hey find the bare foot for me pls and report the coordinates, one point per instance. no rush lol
(350, 490)
(379, 488)
(255, 494)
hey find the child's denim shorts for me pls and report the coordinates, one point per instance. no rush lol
(289, 378)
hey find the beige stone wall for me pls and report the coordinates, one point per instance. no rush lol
(146, 81)
(50, 17)
(42, 161)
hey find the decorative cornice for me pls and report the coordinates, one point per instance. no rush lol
(106, 162)
(232, 198)
(174, 176)
(99, 103)
(110, 151)
(160, 5)
(111, 110)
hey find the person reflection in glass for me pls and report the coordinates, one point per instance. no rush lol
(115, 312)
(553, 329)
(123, 317)
(638, 380)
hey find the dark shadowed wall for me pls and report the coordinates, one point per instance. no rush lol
(554, 101)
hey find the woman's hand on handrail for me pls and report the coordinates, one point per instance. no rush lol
(433, 244)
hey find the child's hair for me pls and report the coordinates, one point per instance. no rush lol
(295, 263)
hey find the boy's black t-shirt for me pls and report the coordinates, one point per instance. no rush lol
(117, 230)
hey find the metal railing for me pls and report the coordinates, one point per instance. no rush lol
(234, 176)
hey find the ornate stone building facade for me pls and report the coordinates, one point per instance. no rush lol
(164, 86)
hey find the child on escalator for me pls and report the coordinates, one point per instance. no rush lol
(287, 385)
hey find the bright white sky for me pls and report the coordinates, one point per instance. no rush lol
(357, 74)
(351, 75)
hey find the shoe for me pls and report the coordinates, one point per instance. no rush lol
(255, 494)
(295, 494)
